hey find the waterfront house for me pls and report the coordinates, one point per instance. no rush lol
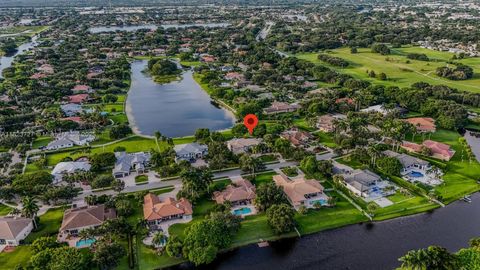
(241, 145)
(190, 151)
(160, 214)
(78, 219)
(69, 139)
(297, 137)
(128, 162)
(422, 124)
(437, 149)
(13, 230)
(240, 192)
(408, 162)
(301, 191)
(281, 107)
(361, 182)
(69, 167)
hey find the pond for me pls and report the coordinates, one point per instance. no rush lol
(175, 109)
(132, 28)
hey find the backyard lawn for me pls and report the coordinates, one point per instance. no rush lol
(4, 210)
(19, 256)
(325, 139)
(49, 224)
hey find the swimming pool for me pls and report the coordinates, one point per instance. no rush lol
(415, 174)
(321, 201)
(242, 211)
(84, 243)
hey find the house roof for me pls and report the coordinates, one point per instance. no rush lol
(361, 179)
(185, 149)
(78, 98)
(239, 190)
(423, 124)
(125, 161)
(405, 159)
(71, 167)
(154, 208)
(81, 87)
(86, 216)
(298, 188)
(439, 148)
(11, 227)
(238, 145)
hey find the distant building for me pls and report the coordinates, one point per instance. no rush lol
(156, 212)
(190, 151)
(13, 230)
(68, 167)
(301, 191)
(82, 88)
(297, 137)
(422, 124)
(241, 145)
(128, 162)
(69, 139)
(78, 99)
(281, 107)
(71, 109)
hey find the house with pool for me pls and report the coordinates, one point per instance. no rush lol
(301, 191)
(162, 213)
(78, 219)
(367, 184)
(240, 194)
(416, 169)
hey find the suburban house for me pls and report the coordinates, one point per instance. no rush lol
(13, 230)
(78, 99)
(82, 88)
(68, 167)
(361, 182)
(71, 109)
(241, 145)
(376, 109)
(128, 162)
(301, 191)
(281, 107)
(408, 162)
(437, 149)
(69, 139)
(240, 192)
(190, 151)
(326, 123)
(422, 124)
(158, 213)
(77, 219)
(297, 137)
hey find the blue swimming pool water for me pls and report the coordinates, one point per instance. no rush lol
(85, 243)
(242, 211)
(415, 174)
(321, 201)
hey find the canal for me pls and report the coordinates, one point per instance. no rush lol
(175, 109)
(7, 60)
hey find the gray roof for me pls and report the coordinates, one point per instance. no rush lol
(185, 149)
(125, 161)
(59, 142)
(405, 159)
(11, 227)
(71, 107)
(361, 179)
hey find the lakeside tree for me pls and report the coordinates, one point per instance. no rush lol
(280, 218)
(269, 194)
(108, 253)
(162, 67)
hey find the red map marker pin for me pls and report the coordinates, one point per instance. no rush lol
(250, 121)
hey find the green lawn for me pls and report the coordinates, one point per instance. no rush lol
(19, 256)
(399, 72)
(263, 178)
(111, 108)
(326, 218)
(162, 190)
(4, 210)
(347, 160)
(141, 179)
(303, 124)
(41, 141)
(49, 224)
(404, 206)
(325, 139)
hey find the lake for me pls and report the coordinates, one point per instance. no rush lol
(7, 60)
(175, 109)
(362, 246)
(132, 28)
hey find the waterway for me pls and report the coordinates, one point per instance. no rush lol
(175, 109)
(132, 28)
(362, 246)
(7, 60)
(474, 143)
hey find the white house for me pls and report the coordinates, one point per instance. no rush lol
(69, 167)
(241, 145)
(13, 230)
(69, 139)
(128, 162)
(190, 151)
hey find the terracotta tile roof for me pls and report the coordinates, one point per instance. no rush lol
(240, 190)
(86, 216)
(78, 98)
(81, 87)
(423, 124)
(154, 209)
(76, 119)
(439, 150)
(298, 188)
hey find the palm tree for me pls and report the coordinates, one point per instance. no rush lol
(414, 259)
(159, 239)
(30, 208)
